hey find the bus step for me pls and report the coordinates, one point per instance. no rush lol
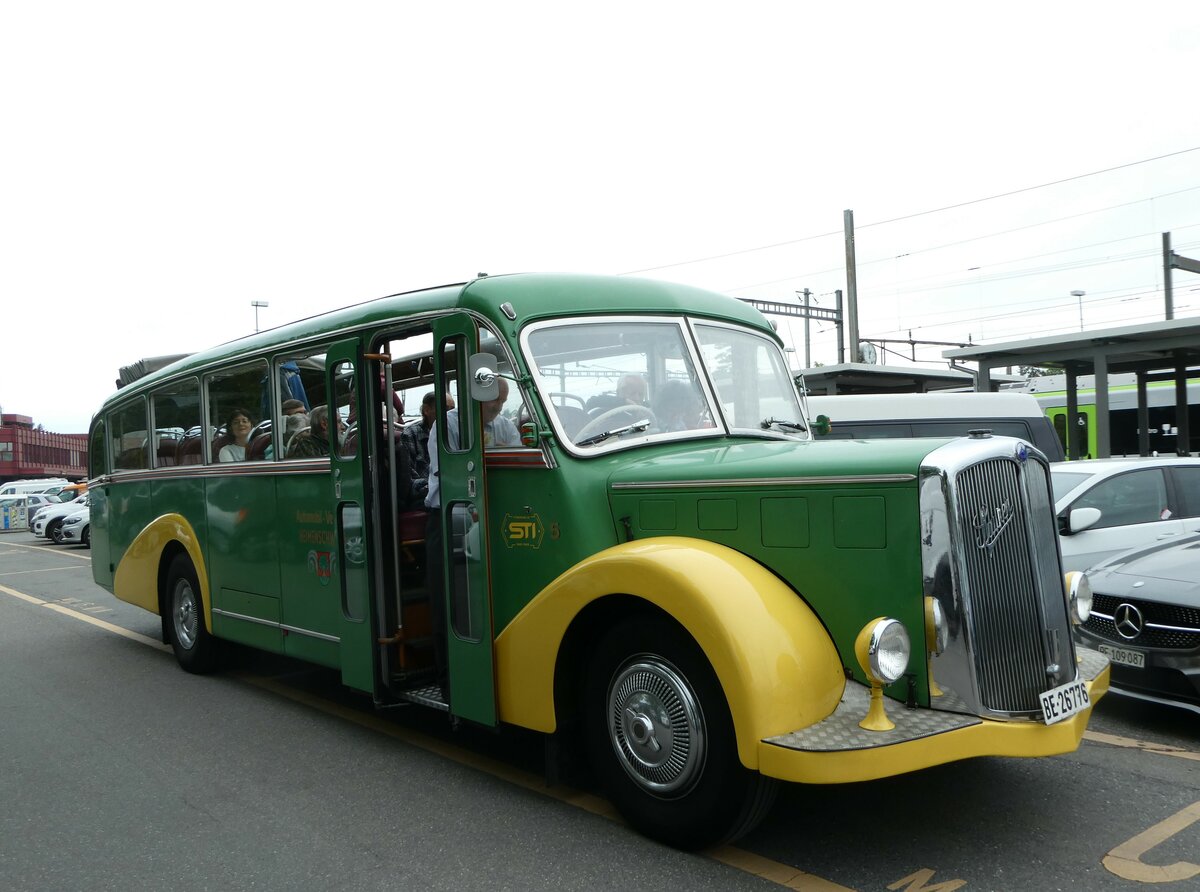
(429, 695)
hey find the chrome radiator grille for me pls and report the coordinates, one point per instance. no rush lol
(1009, 560)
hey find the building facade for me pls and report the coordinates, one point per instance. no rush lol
(27, 453)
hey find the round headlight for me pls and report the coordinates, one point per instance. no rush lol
(1079, 596)
(883, 650)
(937, 635)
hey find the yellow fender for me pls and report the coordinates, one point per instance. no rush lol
(136, 577)
(774, 659)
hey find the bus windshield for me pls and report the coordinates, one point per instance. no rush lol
(614, 382)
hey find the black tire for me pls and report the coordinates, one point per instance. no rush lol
(661, 740)
(183, 616)
(54, 531)
(86, 537)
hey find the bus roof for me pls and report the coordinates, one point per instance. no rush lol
(530, 295)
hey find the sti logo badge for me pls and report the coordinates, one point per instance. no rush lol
(523, 530)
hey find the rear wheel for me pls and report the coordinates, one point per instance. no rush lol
(54, 530)
(194, 647)
(661, 738)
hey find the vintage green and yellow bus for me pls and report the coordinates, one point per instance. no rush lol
(657, 567)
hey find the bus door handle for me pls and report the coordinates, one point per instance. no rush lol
(337, 483)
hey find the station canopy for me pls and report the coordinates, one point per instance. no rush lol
(1154, 351)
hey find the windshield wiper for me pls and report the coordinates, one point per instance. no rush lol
(768, 423)
(615, 432)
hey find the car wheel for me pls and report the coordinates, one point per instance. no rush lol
(86, 536)
(194, 647)
(54, 531)
(661, 738)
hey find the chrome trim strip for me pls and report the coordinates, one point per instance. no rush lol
(281, 626)
(1160, 627)
(229, 469)
(308, 633)
(770, 481)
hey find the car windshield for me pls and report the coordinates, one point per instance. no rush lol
(612, 382)
(1065, 481)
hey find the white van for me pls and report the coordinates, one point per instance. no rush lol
(45, 484)
(871, 416)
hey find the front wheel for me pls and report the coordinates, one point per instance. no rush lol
(194, 647)
(54, 531)
(86, 538)
(661, 738)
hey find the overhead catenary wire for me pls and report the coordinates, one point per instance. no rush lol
(914, 215)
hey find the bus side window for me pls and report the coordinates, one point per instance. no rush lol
(130, 437)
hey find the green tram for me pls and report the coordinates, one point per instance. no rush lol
(664, 572)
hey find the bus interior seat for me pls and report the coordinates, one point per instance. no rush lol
(167, 453)
(257, 449)
(188, 451)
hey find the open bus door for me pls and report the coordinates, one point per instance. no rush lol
(463, 511)
(352, 562)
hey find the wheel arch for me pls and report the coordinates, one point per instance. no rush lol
(141, 574)
(774, 659)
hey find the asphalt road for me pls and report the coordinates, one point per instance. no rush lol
(120, 771)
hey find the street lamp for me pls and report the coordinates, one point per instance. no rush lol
(262, 303)
(1079, 296)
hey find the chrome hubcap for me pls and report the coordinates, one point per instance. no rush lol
(656, 726)
(185, 614)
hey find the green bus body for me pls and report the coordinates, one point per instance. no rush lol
(743, 563)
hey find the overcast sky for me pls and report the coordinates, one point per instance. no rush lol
(165, 164)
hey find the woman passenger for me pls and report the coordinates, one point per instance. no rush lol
(238, 428)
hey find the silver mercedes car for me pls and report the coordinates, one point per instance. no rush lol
(1146, 619)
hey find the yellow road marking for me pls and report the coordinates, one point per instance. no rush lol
(1126, 859)
(774, 872)
(1160, 749)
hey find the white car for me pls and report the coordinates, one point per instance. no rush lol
(49, 520)
(76, 529)
(1109, 505)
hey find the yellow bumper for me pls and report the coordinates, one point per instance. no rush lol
(838, 751)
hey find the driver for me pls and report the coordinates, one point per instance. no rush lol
(631, 390)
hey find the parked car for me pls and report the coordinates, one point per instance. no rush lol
(35, 501)
(76, 529)
(1108, 505)
(48, 521)
(1146, 619)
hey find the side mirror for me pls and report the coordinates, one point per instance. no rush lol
(485, 380)
(1081, 519)
(821, 425)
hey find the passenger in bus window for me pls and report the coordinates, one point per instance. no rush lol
(416, 441)
(313, 441)
(238, 429)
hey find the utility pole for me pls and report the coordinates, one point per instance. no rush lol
(807, 338)
(1171, 261)
(851, 283)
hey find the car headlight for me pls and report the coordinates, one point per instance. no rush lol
(1079, 596)
(883, 650)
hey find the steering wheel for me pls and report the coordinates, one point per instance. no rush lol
(600, 422)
